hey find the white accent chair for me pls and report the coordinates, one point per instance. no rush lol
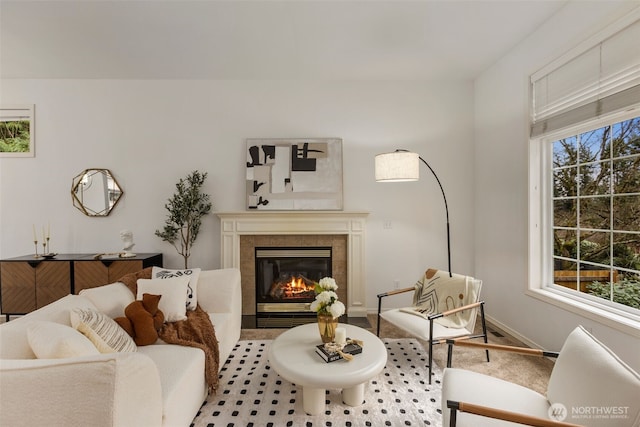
(589, 386)
(441, 320)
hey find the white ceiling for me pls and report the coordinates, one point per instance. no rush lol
(158, 39)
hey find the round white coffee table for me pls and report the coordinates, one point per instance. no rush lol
(292, 355)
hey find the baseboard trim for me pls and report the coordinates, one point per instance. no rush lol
(504, 329)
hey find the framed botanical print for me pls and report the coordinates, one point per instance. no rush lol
(17, 126)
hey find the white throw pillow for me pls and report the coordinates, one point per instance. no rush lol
(50, 340)
(192, 273)
(110, 299)
(103, 331)
(174, 295)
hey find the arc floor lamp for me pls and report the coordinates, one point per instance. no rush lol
(403, 165)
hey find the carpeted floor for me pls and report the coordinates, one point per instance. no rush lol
(532, 372)
(252, 394)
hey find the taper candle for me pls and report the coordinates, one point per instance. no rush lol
(35, 238)
(341, 336)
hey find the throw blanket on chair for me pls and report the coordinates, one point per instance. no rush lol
(196, 331)
(436, 292)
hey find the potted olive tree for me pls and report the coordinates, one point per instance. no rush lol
(186, 208)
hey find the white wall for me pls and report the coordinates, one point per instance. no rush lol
(150, 133)
(501, 134)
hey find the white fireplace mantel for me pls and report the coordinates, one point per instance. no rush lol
(352, 224)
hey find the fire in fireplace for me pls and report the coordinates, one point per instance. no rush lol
(285, 281)
(298, 287)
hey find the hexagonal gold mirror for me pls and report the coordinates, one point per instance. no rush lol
(95, 192)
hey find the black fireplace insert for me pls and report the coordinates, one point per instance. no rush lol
(285, 281)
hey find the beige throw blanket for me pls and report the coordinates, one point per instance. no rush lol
(436, 292)
(196, 331)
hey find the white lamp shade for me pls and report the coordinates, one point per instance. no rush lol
(397, 166)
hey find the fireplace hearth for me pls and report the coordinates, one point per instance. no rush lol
(285, 282)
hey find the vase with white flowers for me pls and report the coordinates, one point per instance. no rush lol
(328, 307)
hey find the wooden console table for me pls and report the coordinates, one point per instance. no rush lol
(28, 283)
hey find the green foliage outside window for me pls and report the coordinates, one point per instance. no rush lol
(625, 292)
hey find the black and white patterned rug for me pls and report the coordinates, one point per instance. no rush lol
(252, 394)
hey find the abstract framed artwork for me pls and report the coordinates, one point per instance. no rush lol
(17, 131)
(294, 174)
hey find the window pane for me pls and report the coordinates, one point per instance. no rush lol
(627, 292)
(564, 213)
(564, 182)
(563, 265)
(565, 274)
(626, 175)
(565, 152)
(595, 280)
(594, 247)
(626, 251)
(594, 145)
(595, 213)
(626, 213)
(564, 243)
(595, 178)
(626, 137)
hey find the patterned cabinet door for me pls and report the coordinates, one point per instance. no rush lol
(54, 281)
(18, 281)
(117, 269)
(89, 274)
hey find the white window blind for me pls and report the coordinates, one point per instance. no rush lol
(601, 76)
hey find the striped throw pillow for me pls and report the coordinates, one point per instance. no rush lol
(102, 331)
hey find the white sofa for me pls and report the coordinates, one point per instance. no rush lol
(158, 385)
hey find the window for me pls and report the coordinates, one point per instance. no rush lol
(584, 175)
(595, 213)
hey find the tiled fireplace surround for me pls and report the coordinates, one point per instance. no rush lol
(343, 231)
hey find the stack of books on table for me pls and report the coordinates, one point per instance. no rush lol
(332, 356)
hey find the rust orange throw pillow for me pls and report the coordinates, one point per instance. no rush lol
(143, 319)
